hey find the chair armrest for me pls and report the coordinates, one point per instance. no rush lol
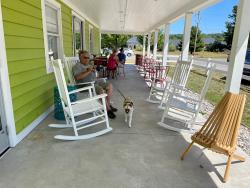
(81, 89)
(80, 84)
(104, 79)
(91, 99)
(187, 98)
(85, 83)
(176, 86)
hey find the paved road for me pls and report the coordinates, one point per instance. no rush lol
(221, 64)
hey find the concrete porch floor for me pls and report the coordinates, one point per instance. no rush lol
(145, 155)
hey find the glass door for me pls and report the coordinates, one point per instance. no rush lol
(4, 140)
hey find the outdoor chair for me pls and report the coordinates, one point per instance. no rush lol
(69, 63)
(158, 83)
(221, 129)
(183, 108)
(140, 66)
(149, 70)
(80, 114)
(179, 78)
(160, 75)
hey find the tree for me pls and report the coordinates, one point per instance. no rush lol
(114, 40)
(216, 46)
(228, 34)
(199, 42)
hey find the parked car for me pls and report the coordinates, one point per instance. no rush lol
(128, 52)
(246, 70)
(106, 51)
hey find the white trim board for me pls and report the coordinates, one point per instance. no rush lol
(57, 7)
(5, 83)
(33, 125)
(74, 14)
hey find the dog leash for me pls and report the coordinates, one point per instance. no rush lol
(119, 91)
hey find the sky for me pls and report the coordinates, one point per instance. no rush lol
(212, 19)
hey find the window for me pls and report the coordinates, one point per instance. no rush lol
(52, 31)
(78, 42)
(91, 40)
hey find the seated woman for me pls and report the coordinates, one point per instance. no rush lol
(112, 63)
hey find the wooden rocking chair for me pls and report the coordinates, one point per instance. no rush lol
(74, 110)
(220, 131)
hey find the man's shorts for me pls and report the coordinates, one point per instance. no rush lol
(101, 87)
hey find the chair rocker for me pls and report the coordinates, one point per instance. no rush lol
(221, 129)
(73, 110)
(185, 109)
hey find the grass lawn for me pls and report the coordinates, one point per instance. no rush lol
(216, 91)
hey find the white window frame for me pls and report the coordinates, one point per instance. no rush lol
(91, 28)
(55, 5)
(74, 14)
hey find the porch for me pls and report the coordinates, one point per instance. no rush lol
(145, 155)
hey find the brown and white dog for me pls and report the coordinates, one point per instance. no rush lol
(128, 106)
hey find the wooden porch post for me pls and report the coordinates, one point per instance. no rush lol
(144, 45)
(166, 43)
(239, 47)
(186, 36)
(148, 49)
(155, 43)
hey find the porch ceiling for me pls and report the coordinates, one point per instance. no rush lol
(135, 16)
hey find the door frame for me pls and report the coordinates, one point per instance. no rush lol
(6, 92)
(4, 140)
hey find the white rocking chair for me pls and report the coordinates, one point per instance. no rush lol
(69, 63)
(179, 78)
(79, 108)
(184, 109)
(157, 88)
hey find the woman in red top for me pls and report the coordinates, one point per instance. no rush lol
(112, 63)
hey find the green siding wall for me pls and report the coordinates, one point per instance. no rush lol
(96, 41)
(31, 86)
(67, 29)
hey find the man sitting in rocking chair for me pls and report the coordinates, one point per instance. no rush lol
(84, 71)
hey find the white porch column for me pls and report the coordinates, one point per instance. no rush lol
(186, 36)
(166, 43)
(155, 43)
(239, 47)
(148, 49)
(144, 45)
